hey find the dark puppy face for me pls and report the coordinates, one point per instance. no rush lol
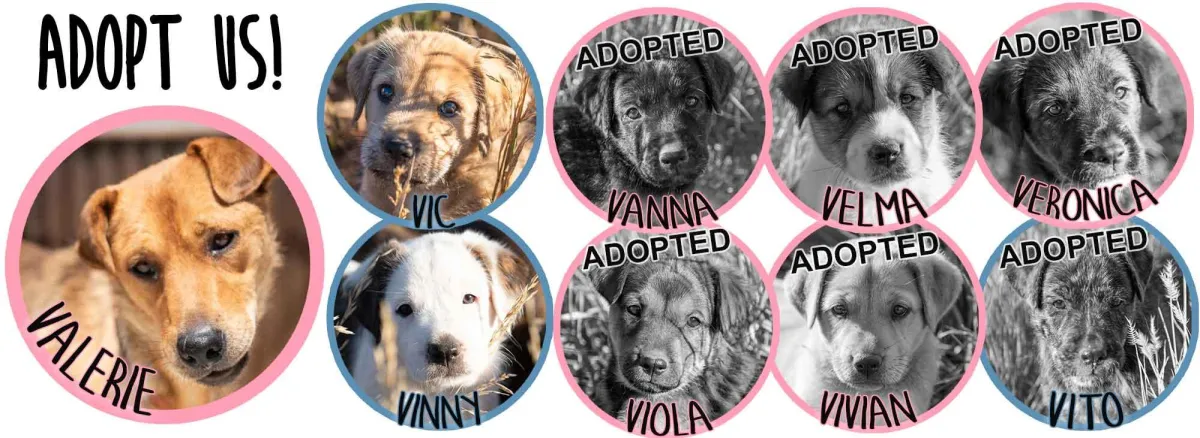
(664, 319)
(1081, 309)
(876, 118)
(1078, 111)
(657, 113)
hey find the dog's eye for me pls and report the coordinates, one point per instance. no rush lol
(842, 109)
(220, 242)
(144, 270)
(404, 310)
(448, 109)
(1054, 109)
(1116, 302)
(634, 309)
(906, 99)
(633, 114)
(386, 93)
(839, 311)
(691, 101)
(1122, 92)
(468, 299)
(1059, 304)
(694, 322)
(900, 311)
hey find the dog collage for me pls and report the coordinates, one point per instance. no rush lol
(166, 264)
(890, 325)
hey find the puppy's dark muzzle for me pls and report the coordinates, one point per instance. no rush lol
(400, 149)
(885, 154)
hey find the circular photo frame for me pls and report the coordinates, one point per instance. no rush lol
(145, 259)
(423, 358)
(875, 120)
(879, 332)
(694, 329)
(456, 137)
(658, 119)
(1090, 329)
(1098, 148)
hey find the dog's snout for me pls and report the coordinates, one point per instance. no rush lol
(201, 346)
(1093, 350)
(884, 153)
(400, 149)
(443, 351)
(1107, 153)
(868, 364)
(653, 364)
(672, 153)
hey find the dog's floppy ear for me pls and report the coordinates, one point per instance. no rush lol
(1000, 92)
(1032, 292)
(1146, 59)
(360, 70)
(939, 283)
(366, 295)
(503, 88)
(718, 78)
(235, 170)
(940, 66)
(804, 291)
(509, 274)
(594, 95)
(610, 282)
(94, 221)
(796, 85)
(731, 298)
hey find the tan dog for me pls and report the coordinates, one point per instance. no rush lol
(867, 329)
(174, 270)
(440, 112)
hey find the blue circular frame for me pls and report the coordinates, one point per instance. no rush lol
(539, 107)
(1132, 416)
(547, 333)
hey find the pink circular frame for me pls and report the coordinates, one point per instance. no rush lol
(758, 75)
(981, 317)
(762, 377)
(229, 127)
(1187, 95)
(967, 165)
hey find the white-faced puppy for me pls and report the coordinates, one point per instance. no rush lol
(867, 329)
(444, 296)
(875, 121)
(438, 111)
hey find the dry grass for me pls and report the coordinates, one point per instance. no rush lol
(736, 134)
(584, 322)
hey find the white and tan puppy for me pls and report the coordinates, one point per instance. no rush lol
(866, 329)
(440, 299)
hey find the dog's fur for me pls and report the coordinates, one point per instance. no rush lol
(433, 274)
(641, 128)
(168, 217)
(1079, 310)
(822, 350)
(1072, 118)
(659, 352)
(861, 109)
(455, 154)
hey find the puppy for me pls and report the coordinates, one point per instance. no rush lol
(641, 128)
(174, 270)
(1080, 310)
(440, 112)
(875, 121)
(1072, 118)
(667, 323)
(442, 298)
(867, 329)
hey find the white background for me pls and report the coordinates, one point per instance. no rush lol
(310, 398)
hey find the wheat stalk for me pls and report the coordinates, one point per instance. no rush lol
(402, 189)
(510, 319)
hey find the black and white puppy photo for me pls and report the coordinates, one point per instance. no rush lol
(1086, 327)
(669, 342)
(686, 115)
(428, 319)
(870, 110)
(1095, 103)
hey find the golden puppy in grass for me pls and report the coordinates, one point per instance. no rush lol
(444, 117)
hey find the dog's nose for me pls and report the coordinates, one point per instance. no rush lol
(868, 365)
(442, 352)
(1105, 154)
(1093, 350)
(672, 153)
(201, 346)
(652, 364)
(884, 153)
(400, 149)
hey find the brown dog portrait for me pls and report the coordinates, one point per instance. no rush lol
(175, 267)
(675, 330)
(664, 126)
(1084, 117)
(443, 112)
